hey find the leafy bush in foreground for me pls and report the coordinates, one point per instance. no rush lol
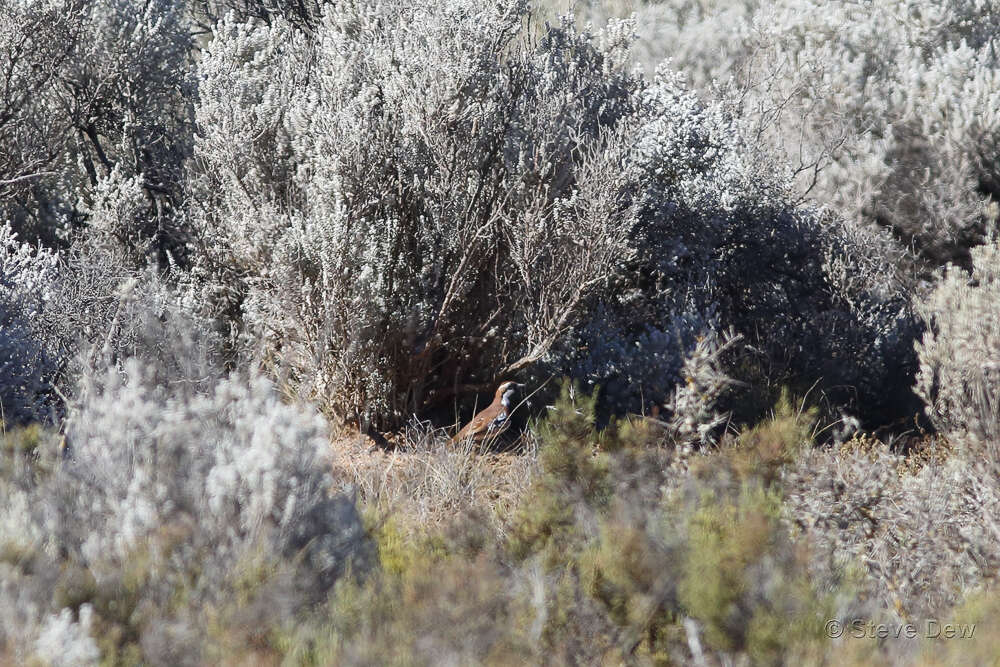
(626, 547)
(622, 550)
(626, 550)
(187, 503)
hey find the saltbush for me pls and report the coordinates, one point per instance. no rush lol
(95, 90)
(887, 115)
(176, 489)
(960, 352)
(384, 224)
(27, 365)
(391, 232)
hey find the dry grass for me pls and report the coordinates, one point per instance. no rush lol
(920, 450)
(424, 481)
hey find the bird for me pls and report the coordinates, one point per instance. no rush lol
(493, 420)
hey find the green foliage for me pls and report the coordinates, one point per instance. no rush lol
(393, 552)
(613, 549)
(633, 576)
(573, 469)
(625, 550)
(31, 445)
(28, 453)
(20, 441)
(745, 580)
(764, 448)
(968, 635)
(450, 607)
(401, 552)
(713, 549)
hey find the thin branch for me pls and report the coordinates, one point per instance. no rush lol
(26, 177)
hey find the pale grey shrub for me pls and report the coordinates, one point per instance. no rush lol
(719, 242)
(61, 311)
(408, 208)
(19, 618)
(305, 14)
(172, 466)
(919, 539)
(694, 414)
(84, 315)
(959, 355)
(885, 115)
(388, 217)
(117, 217)
(241, 467)
(26, 364)
(919, 87)
(98, 88)
(36, 40)
(100, 311)
(64, 642)
(132, 103)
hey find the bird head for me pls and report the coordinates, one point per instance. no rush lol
(506, 391)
